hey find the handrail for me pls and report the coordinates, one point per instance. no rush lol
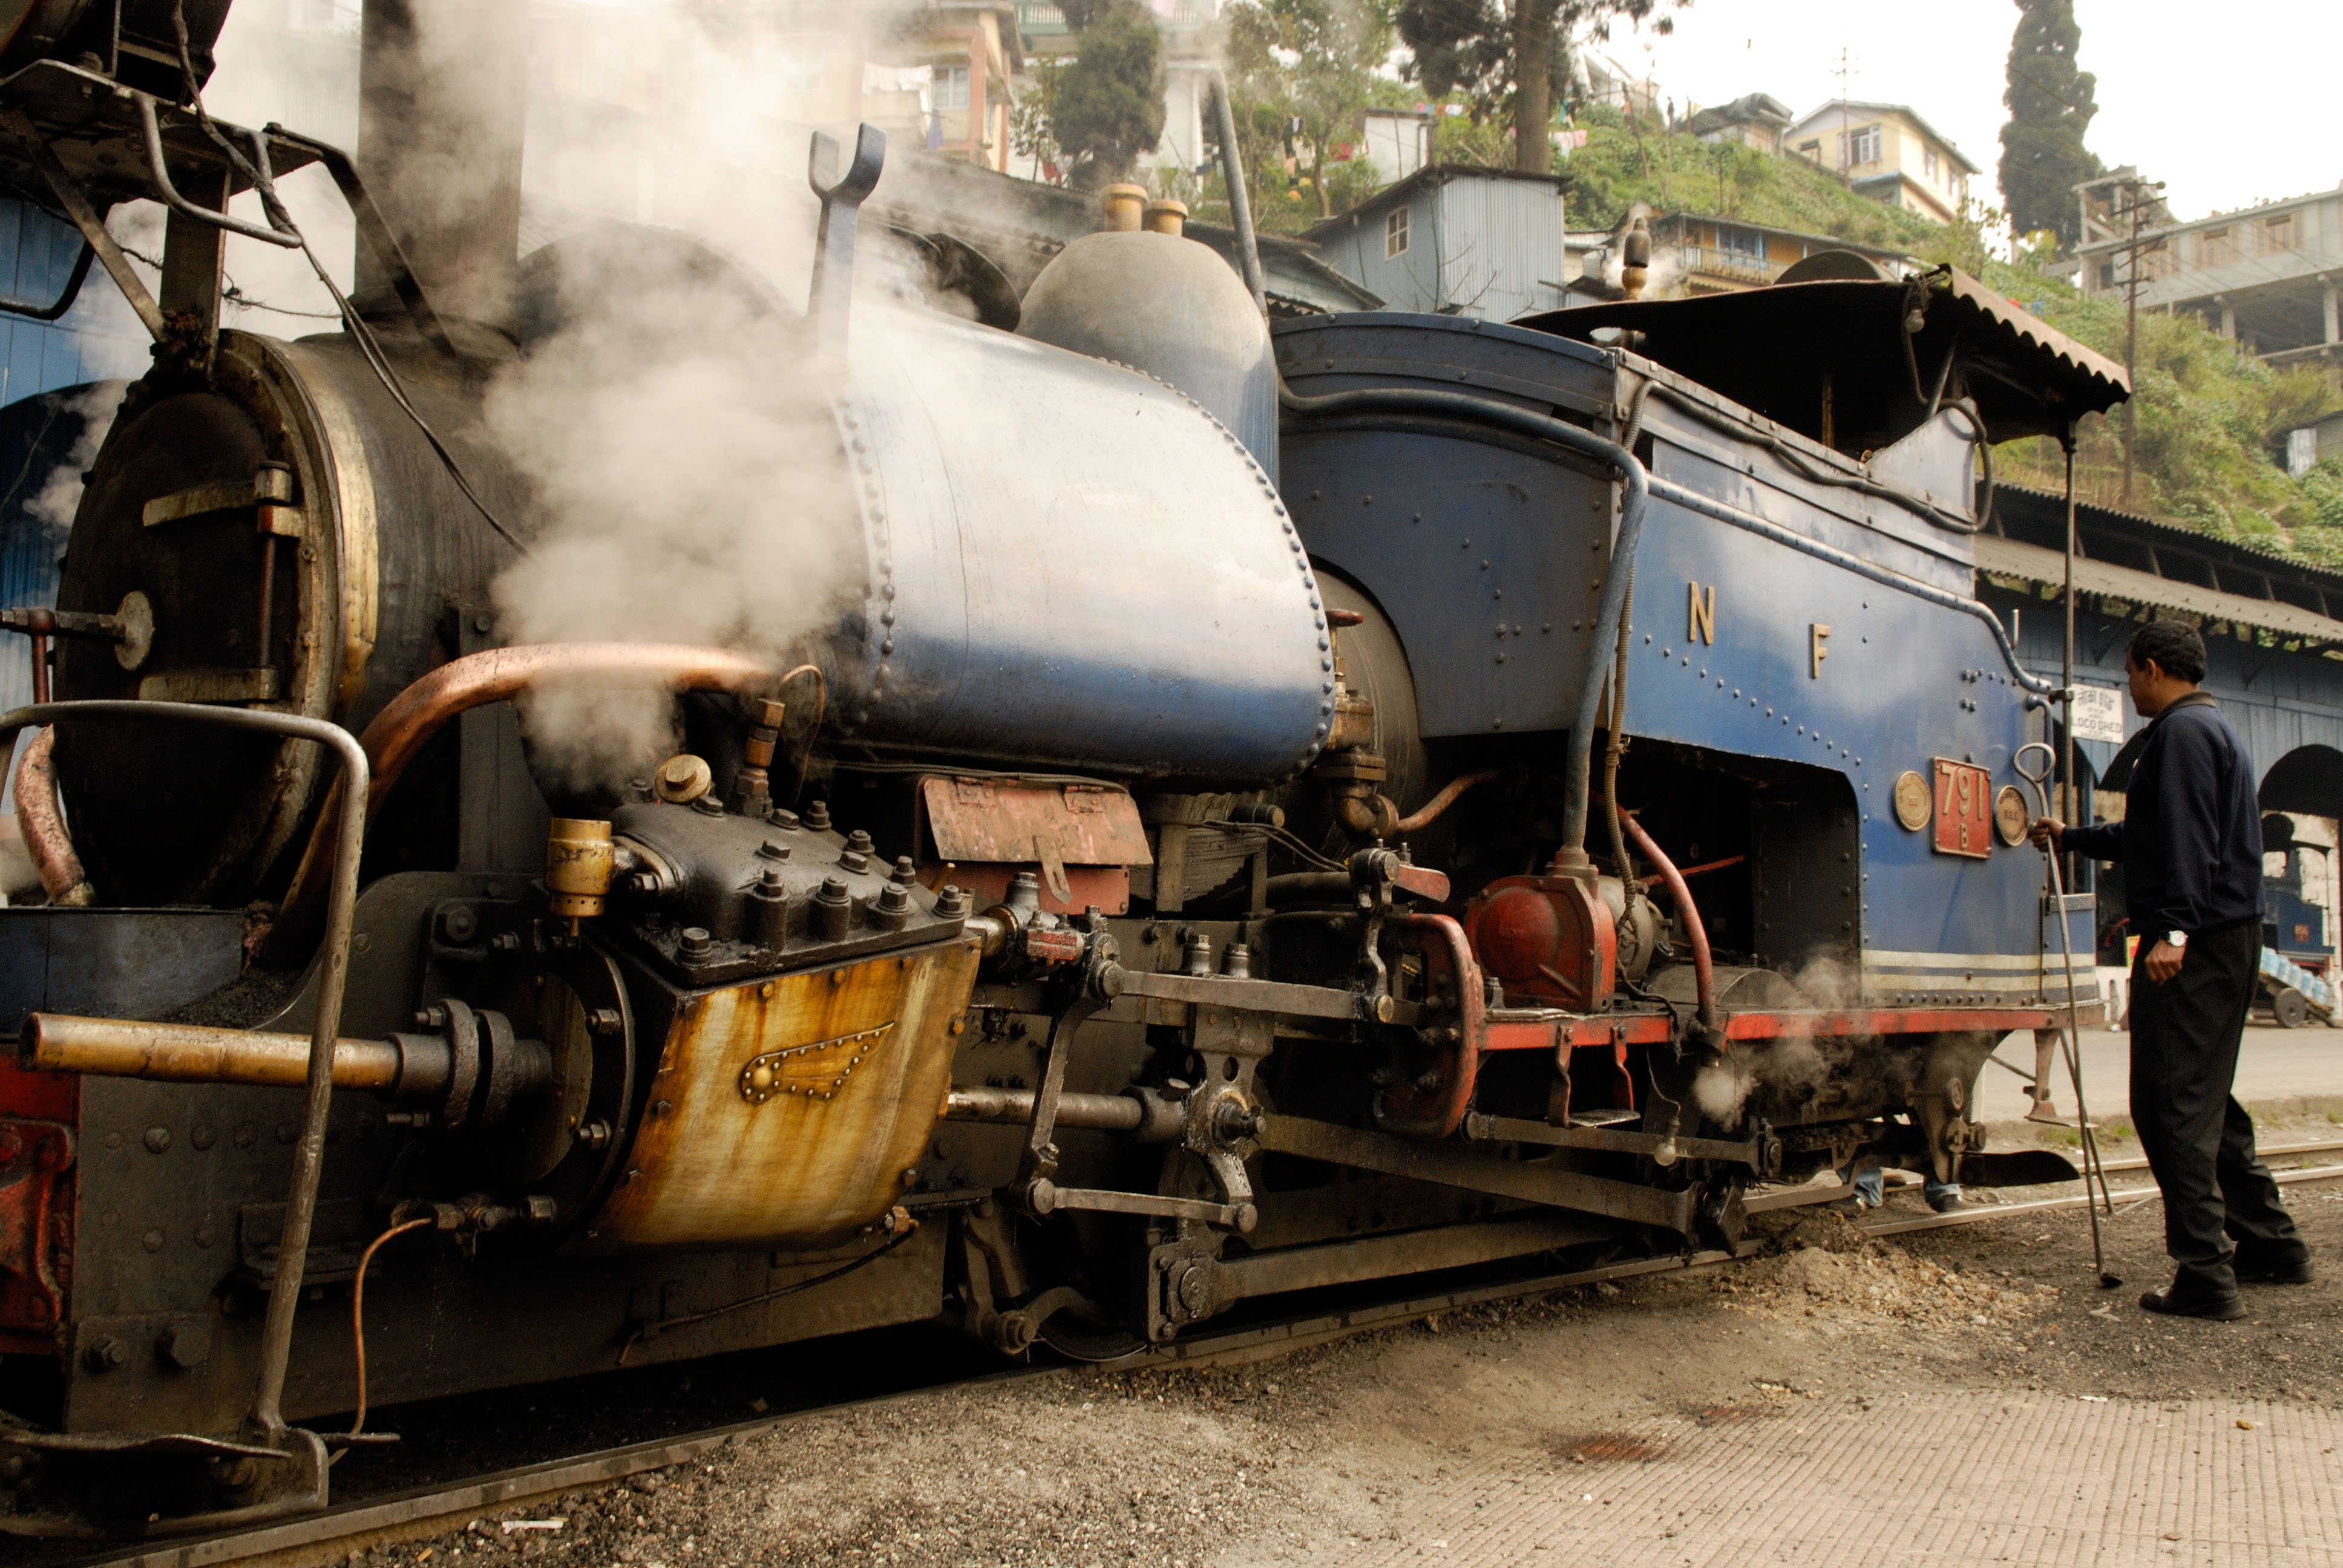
(290, 238)
(1692, 500)
(266, 1418)
(65, 301)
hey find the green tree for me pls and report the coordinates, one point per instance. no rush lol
(1108, 104)
(1516, 56)
(1301, 72)
(2051, 104)
(1033, 119)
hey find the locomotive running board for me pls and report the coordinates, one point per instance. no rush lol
(1455, 1167)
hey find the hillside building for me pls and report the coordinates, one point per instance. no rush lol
(1458, 240)
(1752, 120)
(2271, 278)
(1887, 152)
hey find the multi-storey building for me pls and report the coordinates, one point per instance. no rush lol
(2268, 277)
(1887, 152)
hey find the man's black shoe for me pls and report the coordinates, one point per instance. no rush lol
(2277, 1264)
(2221, 1306)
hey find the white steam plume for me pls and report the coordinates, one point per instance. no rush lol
(52, 508)
(686, 470)
(686, 488)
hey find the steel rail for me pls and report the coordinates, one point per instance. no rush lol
(1970, 1216)
(330, 1535)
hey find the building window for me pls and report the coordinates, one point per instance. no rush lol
(1856, 148)
(951, 88)
(1928, 162)
(2156, 260)
(2277, 234)
(1395, 234)
(1744, 246)
(2217, 247)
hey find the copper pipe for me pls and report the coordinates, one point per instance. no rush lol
(1690, 872)
(408, 721)
(1422, 816)
(187, 1053)
(44, 824)
(1694, 932)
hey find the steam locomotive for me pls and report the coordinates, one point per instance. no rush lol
(1269, 808)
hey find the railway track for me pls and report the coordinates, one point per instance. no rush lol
(333, 1534)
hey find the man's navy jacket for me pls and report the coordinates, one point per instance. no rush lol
(2191, 838)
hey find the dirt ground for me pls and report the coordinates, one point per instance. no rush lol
(1324, 1455)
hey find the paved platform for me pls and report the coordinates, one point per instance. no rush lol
(1953, 1477)
(2275, 1065)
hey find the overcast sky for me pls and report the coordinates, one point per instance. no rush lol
(2226, 116)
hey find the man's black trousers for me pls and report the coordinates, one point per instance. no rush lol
(2199, 1141)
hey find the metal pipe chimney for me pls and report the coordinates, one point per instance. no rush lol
(443, 101)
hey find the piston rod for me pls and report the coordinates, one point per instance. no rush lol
(1151, 1120)
(186, 1053)
(419, 1069)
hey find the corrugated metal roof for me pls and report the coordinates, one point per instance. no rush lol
(2033, 330)
(1791, 349)
(2008, 558)
(2155, 530)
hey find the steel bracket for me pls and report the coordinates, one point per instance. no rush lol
(103, 1483)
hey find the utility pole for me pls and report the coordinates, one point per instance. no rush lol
(1844, 71)
(2127, 197)
(2131, 346)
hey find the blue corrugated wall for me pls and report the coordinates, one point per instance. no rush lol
(51, 373)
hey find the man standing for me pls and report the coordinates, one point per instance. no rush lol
(2191, 847)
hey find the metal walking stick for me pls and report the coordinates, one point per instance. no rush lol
(2092, 1165)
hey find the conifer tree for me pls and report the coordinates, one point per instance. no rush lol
(1107, 107)
(2051, 103)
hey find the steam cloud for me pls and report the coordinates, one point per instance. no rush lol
(685, 488)
(677, 449)
(60, 495)
(685, 468)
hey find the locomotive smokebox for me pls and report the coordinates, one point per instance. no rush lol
(1147, 297)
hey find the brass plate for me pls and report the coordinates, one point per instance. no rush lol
(2011, 816)
(1913, 802)
(818, 1070)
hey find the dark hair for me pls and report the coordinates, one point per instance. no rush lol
(2173, 646)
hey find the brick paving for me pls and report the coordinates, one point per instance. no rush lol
(1947, 1477)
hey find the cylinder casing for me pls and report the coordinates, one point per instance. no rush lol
(1070, 563)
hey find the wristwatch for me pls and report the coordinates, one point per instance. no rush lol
(2176, 938)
